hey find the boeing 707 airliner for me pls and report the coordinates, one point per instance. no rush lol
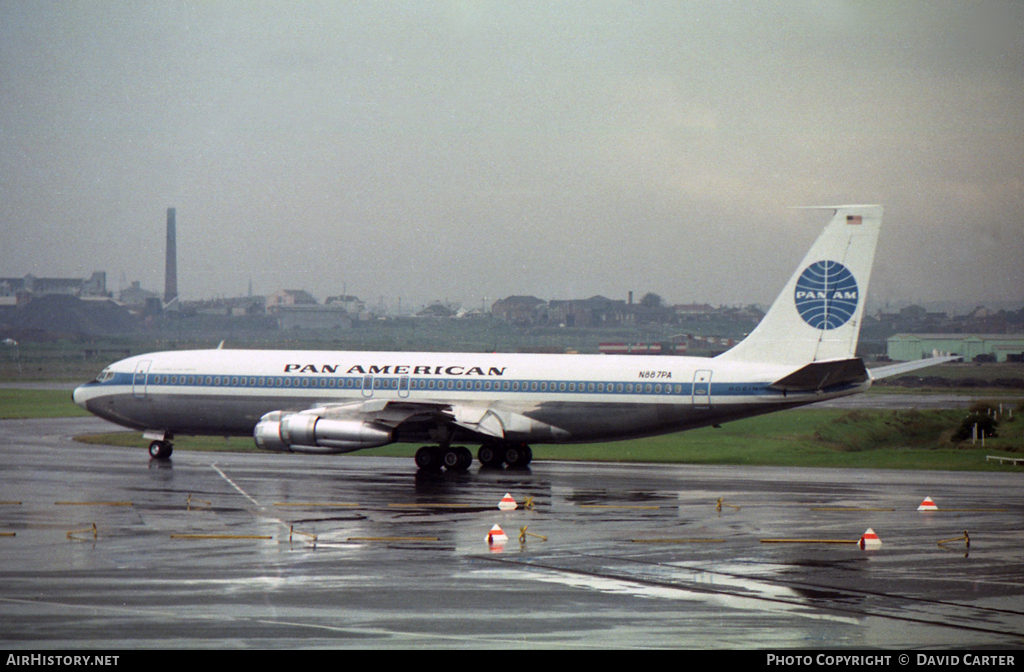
(802, 352)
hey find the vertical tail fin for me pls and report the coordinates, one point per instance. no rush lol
(818, 314)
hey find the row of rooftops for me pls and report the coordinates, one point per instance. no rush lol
(93, 286)
(596, 310)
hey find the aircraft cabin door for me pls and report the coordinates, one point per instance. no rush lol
(367, 386)
(140, 379)
(403, 387)
(702, 389)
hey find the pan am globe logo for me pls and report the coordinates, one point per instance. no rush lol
(826, 295)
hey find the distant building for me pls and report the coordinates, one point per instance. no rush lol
(352, 305)
(470, 313)
(633, 348)
(30, 286)
(248, 305)
(980, 312)
(436, 310)
(518, 309)
(972, 347)
(297, 309)
(597, 311)
(914, 318)
(289, 297)
(240, 306)
(750, 312)
(134, 296)
(305, 316)
(693, 309)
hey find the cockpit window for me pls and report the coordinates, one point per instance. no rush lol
(104, 375)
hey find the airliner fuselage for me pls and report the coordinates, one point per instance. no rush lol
(563, 398)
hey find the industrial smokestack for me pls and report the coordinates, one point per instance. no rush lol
(171, 268)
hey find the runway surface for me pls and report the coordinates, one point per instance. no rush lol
(211, 550)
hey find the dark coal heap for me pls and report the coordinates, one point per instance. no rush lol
(69, 316)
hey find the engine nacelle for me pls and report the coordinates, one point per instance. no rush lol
(306, 432)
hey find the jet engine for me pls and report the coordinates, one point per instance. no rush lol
(310, 433)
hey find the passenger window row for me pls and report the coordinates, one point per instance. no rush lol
(381, 383)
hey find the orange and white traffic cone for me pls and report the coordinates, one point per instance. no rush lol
(496, 536)
(507, 503)
(870, 540)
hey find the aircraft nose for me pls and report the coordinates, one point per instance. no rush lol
(79, 396)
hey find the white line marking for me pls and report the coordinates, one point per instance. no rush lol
(235, 485)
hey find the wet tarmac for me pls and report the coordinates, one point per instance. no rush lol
(217, 550)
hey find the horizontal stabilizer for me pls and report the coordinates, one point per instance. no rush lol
(907, 367)
(820, 375)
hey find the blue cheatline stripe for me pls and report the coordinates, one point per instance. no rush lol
(355, 383)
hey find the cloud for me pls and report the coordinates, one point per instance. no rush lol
(469, 149)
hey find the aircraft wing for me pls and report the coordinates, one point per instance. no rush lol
(382, 411)
(906, 367)
(483, 419)
(366, 424)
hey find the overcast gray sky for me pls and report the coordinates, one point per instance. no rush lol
(463, 150)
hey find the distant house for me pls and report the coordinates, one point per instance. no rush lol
(518, 309)
(695, 311)
(750, 312)
(913, 312)
(915, 318)
(689, 309)
(297, 309)
(289, 297)
(135, 296)
(233, 307)
(597, 311)
(436, 310)
(352, 304)
(247, 305)
(471, 313)
(979, 312)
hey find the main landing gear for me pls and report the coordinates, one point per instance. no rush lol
(452, 458)
(458, 458)
(515, 455)
(161, 450)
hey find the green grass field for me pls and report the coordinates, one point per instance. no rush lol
(19, 403)
(808, 437)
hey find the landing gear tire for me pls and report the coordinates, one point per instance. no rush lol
(428, 458)
(456, 458)
(490, 456)
(160, 450)
(518, 456)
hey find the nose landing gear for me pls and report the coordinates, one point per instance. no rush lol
(161, 450)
